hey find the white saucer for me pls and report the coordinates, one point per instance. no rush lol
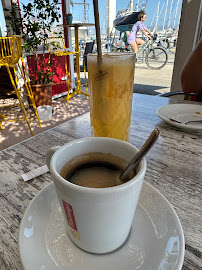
(182, 112)
(156, 240)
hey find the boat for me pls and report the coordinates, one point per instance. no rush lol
(125, 20)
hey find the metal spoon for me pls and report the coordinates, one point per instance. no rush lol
(142, 152)
(185, 122)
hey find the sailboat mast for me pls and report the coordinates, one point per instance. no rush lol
(176, 13)
(161, 9)
(137, 6)
(171, 7)
(165, 15)
(131, 5)
(157, 16)
(153, 19)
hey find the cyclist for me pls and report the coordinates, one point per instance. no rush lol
(132, 38)
(125, 37)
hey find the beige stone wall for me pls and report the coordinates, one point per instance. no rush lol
(186, 38)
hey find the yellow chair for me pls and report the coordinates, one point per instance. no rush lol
(10, 57)
(56, 46)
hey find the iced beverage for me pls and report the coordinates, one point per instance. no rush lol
(111, 82)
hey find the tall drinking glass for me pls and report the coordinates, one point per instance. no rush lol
(111, 80)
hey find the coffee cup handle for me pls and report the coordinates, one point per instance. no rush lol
(49, 154)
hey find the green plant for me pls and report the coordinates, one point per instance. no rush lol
(39, 17)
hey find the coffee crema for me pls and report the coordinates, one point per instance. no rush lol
(95, 170)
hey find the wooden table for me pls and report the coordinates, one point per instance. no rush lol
(174, 168)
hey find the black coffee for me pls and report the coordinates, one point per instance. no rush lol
(95, 170)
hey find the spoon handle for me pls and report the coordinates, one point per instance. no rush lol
(143, 151)
(185, 122)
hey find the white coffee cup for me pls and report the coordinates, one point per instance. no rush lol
(98, 219)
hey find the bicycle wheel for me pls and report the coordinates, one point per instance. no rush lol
(156, 58)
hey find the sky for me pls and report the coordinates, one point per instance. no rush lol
(151, 10)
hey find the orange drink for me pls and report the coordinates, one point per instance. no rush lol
(111, 82)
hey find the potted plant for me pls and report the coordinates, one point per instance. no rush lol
(68, 18)
(39, 17)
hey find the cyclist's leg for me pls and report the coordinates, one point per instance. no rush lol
(139, 41)
(134, 46)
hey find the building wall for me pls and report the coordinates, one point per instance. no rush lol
(186, 38)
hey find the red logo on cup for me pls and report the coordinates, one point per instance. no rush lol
(70, 215)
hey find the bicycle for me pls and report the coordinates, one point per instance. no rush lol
(120, 47)
(167, 46)
(171, 49)
(155, 57)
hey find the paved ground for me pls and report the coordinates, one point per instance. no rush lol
(153, 82)
(17, 131)
(147, 81)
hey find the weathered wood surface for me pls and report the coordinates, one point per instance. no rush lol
(174, 168)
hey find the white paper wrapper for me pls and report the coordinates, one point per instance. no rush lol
(34, 173)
